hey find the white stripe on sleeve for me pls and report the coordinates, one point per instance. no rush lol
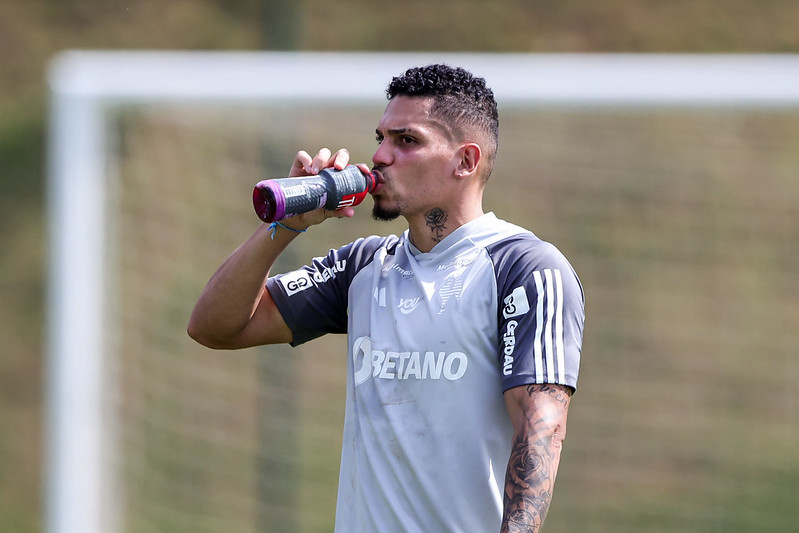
(559, 328)
(539, 326)
(549, 349)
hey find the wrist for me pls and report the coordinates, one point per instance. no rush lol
(273, 227)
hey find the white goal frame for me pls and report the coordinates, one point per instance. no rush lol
(87, 85)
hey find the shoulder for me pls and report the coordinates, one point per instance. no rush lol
(364, 249)
(524, 248)
(519, 257)
(341, 263)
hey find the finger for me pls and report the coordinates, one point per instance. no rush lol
(344, 212)
(302, 164)
(320, 160)
(340, 159)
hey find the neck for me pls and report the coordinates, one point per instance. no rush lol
(431, 228)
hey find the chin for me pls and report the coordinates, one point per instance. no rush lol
(383, 214)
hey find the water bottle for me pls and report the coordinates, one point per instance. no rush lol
(280, 198)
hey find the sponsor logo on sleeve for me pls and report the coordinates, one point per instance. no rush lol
(327, 273)
(299, 280)
(516, 303)
(294, 282)
(509, 345)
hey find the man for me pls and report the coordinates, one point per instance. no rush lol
(464, 333)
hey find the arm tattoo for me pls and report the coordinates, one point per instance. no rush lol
(533, 461)
(435, 219)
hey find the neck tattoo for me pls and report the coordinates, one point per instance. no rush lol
(435, 219)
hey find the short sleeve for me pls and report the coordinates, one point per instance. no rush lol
(540, 315)
(313, 300)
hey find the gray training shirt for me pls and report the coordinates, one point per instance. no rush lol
(434, 340)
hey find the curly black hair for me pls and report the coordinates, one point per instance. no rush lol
(461, 99)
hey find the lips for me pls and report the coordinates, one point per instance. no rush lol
(380, 180)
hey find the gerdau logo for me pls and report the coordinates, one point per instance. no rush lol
(413, 364)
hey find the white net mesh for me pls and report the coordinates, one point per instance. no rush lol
(682, 224)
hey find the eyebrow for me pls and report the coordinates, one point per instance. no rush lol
(393, 131)
(418, 131)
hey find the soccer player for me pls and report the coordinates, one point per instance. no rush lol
(464, 333)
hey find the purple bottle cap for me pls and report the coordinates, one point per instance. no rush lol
(269, 201)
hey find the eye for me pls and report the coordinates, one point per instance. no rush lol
(407, 140)
(379, 139)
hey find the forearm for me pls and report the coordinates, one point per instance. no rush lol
(234, 310)
(229, 300)
(533, 463)
(528, 487)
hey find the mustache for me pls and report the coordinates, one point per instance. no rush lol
(379, 174)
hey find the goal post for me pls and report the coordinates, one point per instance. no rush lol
(89, 89)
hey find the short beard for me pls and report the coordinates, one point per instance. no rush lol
(384, 215)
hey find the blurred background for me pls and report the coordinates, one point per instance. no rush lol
(683, 226)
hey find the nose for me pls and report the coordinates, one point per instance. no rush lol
(381, 157)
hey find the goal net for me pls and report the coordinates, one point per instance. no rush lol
(669, 181)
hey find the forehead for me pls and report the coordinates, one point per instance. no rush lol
(408, 112)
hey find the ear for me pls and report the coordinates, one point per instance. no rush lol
(470, 155)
